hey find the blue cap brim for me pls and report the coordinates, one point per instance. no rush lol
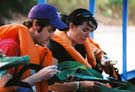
(57, 23)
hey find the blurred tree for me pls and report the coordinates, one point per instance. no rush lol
(131, 11)
(66, 6)
(107, 8)
(9, 7)
(110, 8)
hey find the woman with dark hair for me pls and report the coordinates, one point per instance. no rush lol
(74, 44)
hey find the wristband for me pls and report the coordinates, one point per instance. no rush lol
(77, 85)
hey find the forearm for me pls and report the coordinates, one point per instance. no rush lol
(72, 86)
(32, 80)
(5, 79)
(64, 87)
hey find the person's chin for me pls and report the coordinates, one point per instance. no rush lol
(45, 41)
(80, 42)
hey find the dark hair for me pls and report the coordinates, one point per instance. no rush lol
(41, 22)
(78, 16)
(64, 18)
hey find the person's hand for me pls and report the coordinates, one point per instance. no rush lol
(107, 67)
(96, 84)
(107, 64)
(47, 72)
(44, 74)
(91, 85)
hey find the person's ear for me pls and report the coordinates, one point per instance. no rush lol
(71, 25)
(35, 25)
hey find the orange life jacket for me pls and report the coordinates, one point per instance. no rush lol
(91, 49)
(38, 55)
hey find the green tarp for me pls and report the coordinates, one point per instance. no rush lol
(9, 62)
(71, 70)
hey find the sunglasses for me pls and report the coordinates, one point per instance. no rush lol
(86, 16)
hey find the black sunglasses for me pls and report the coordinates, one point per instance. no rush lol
(84, 15)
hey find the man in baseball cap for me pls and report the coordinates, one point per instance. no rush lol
(30, 39)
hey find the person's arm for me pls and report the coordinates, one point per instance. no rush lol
(76, 85)
(44, 74)
(64, 87)
(72, 86)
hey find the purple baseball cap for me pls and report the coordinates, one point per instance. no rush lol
(46, 11)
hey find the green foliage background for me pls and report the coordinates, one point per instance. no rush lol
(106, 8)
